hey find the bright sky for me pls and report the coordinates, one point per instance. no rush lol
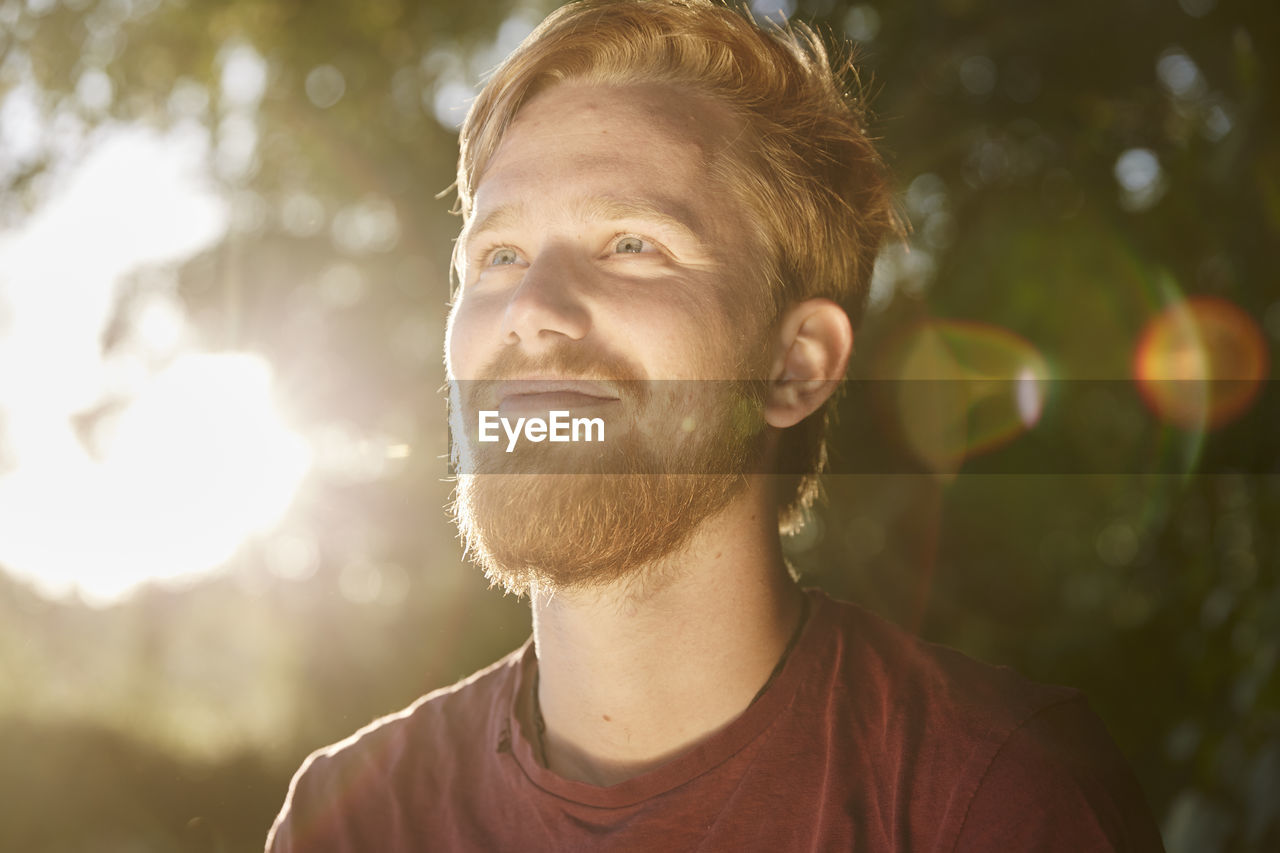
(195, 457)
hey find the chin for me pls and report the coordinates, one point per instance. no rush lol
(582, 532)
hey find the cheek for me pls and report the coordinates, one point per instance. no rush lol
(661, 325)
(466, 341)
(651, 338)
(687, 345)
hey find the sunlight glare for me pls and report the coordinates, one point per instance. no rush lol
(140, 463)
(197, 463)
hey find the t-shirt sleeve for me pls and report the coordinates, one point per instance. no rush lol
(1058, 783)
(335, 804)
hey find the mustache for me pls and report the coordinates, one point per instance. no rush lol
(565, 361)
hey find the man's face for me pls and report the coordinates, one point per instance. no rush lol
(602, 250)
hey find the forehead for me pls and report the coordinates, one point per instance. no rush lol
(642, 141)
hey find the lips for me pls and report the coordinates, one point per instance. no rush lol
(521, 398)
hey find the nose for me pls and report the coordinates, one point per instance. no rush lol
(547, 307)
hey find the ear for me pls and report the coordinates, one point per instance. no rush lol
(811, 351)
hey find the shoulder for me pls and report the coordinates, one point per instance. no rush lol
(992, 759)
(364, 780)
(897, 676)
(1058, 782)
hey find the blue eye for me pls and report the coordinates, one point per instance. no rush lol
(503, 257)
(630, 245)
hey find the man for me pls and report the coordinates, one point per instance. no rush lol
(670, 218)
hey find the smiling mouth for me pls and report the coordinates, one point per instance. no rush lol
(530, 397)
(537, 403)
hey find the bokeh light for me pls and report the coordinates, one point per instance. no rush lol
(1200, 363)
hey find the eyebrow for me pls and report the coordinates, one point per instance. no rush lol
(668, 215)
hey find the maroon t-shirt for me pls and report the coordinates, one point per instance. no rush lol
(866, 739)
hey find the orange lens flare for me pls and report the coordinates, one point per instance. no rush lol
(1200, 363)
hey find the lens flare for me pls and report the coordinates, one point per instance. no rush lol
(962, 389)
(1200, 363)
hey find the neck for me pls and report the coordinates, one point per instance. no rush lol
(632, 675)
